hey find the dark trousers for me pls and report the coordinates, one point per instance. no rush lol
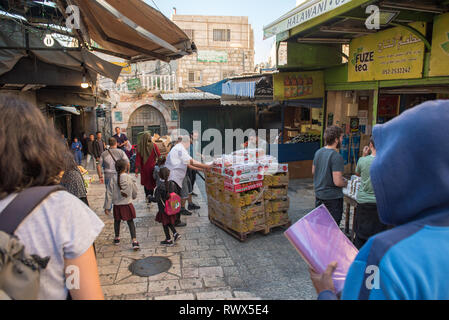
(131, 225)
(192, 176)
(367, 223)
(335, 207)
(167, 232)
(148, 192)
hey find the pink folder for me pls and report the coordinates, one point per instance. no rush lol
(320, 241)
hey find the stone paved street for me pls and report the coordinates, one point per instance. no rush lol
(207, 263)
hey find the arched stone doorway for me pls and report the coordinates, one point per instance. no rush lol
(146, 118)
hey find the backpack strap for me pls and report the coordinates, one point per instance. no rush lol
(115, 161)
(22, 205)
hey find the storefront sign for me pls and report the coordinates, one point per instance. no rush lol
(391, 54)
(439, 59)
(298, 85)
(212, 56)
(299, 17)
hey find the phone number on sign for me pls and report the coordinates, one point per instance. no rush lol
(397, 70)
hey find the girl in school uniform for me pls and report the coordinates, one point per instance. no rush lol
(168, 222)
(120, 192)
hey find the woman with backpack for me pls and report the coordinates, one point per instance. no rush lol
(56, 229)
(120, 192)
(162, 194)
(147, 154)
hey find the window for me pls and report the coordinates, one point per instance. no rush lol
(190, 33)
(222, 35)
(195, 76)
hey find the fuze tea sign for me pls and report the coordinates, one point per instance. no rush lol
(439, 58)
(298, 85)
(395, 53)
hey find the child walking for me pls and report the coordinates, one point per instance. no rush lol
(168, 222)
(120, 192)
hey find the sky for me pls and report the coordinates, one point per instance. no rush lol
(259, 12)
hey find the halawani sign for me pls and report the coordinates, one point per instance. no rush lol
(439, 58)
(298, 85)
(392, 54)
(316, 9)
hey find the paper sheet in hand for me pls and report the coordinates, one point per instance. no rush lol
(320, 241)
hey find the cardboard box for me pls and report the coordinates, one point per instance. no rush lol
(243, 187)
(279, 179)
(277, 205)
(236, 171)
(247, 178)
(274, 193)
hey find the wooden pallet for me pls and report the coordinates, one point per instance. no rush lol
(283, 225)
(243, 236)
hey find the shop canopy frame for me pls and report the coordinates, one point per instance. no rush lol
(347, 22)
(130, 30)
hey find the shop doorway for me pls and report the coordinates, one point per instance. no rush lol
(146, 118)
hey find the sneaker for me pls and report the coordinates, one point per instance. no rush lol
(193, 206)
(184, 212)
(167, 243)
(117, 241)
(181, 224)
(176, 237)
(136, 246)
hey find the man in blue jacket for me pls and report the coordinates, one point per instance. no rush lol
(410, 177)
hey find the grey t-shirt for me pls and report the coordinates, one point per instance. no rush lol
(326, 162)
(108, 162)
(61, 227)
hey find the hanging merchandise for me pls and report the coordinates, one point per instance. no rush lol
(355, 149)
(344, 150)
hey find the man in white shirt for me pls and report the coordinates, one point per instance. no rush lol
(178, 160)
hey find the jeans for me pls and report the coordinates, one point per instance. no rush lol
(335, 207)
(90, 158)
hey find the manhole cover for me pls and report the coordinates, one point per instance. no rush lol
(150, 266)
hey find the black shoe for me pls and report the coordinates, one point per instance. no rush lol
(194, 194)
(193, 206)
(117, 241)
(184, 212)
(176, 237)
(180, 224)
(136, 246)
(167, 243)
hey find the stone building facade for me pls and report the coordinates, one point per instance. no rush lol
(225, 49)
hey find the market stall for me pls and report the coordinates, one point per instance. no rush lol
(301, 97)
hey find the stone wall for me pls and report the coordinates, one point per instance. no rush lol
(128, 104)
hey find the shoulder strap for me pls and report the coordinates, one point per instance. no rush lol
(115, 161)
(22, 205)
